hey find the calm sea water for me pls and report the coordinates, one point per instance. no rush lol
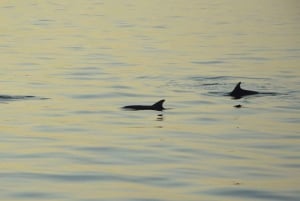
(84, 60)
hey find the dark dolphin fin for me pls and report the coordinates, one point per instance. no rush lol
(238, 86)
(236, 90)
(158, 105)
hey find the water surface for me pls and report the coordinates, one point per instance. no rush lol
(82, 61)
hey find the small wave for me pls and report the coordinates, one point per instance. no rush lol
(94, 177)
(35, 195)
(208, 62)
(14, 98)
(254, 194)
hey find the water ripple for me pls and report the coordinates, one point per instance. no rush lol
(36, 195)
(93, 177)
(253, 194)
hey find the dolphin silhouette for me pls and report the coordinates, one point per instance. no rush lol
(238, 92)
(156, 106)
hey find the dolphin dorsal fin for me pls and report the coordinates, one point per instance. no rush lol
(159, 104)
(237, 87)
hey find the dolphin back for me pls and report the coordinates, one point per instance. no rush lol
(156, 106)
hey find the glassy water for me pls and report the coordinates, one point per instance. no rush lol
(83, 60)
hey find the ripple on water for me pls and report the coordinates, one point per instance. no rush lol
(36, 195)
(159, 181)
(253, 194)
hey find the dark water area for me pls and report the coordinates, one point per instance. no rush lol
(68, 69)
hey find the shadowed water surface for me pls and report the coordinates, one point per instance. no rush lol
(68, 68)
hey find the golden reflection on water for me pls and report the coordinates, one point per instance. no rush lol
(90, 58)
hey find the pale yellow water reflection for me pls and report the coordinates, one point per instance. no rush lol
(84, 60)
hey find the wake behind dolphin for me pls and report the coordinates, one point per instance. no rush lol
(158, 106)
